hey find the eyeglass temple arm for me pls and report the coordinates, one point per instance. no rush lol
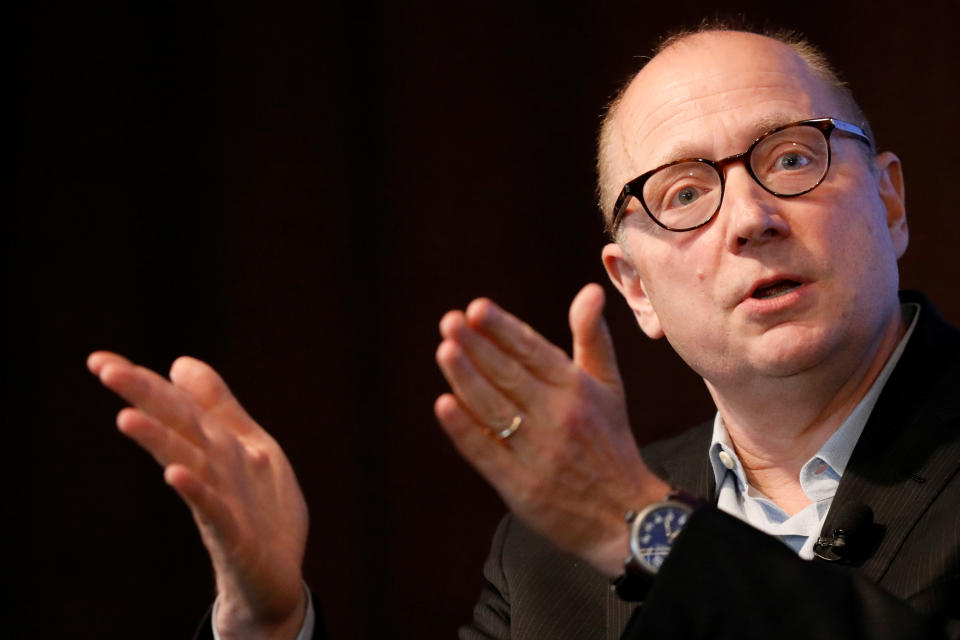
(852, 129)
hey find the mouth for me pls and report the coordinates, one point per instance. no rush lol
(774, 289)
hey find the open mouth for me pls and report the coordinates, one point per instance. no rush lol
(775, 289)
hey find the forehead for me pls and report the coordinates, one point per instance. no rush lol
(710, 95)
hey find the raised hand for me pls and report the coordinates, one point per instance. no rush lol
(236, 480)
(571, 469)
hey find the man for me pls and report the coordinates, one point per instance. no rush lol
(779, 288)
(771, 269)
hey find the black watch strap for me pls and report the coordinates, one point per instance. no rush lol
(632, 587)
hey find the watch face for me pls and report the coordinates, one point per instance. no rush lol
(654, 531)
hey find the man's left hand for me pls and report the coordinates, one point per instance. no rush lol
(572, 469)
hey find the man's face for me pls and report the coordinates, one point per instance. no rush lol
(773, 286)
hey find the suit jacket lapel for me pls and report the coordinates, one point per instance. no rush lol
(692, 472)
(910, 446)
(684, 461)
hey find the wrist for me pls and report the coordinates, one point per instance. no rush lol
(608, 556)
(234, 619)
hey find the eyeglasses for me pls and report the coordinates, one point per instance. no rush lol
(686, 194)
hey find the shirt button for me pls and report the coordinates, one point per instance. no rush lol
(726, 459)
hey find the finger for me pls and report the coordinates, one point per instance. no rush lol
(517, 338)
(217, 525)
(97, 360)
(205, 386)
(163, 443)
(484, 402)
(489, 456)
(503, 371)
(151, 393)
(592, 344)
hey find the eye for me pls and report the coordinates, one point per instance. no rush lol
(680, 196)
(685, 196)
(792, 161)
(786, 156)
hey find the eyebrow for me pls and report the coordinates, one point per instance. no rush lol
(685, 150)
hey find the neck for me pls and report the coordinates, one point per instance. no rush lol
(777, 424)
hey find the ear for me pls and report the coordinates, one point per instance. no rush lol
(891, 190)
(623, 274)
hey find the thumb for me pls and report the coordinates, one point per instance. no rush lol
(592, 345)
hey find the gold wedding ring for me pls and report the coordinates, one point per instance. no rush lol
(505, 433)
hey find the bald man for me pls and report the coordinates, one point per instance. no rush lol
(757, 229)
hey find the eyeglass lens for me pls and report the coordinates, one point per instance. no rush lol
(687, 194)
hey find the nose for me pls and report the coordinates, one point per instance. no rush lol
(753, 216)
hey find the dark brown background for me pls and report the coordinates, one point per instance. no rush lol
(296, 192)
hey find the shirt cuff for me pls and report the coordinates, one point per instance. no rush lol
(306, 630)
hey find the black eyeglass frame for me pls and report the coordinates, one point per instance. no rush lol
(826, 126)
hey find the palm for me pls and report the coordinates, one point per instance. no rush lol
(236, 480)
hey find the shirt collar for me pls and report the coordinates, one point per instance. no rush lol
(836, 451)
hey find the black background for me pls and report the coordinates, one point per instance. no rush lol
(296, 192)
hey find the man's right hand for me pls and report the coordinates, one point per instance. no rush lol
(236, 480)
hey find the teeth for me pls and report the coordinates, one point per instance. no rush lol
(775, 289)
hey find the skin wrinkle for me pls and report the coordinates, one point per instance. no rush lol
(674, 114)
(687, 115)
(757, 460)
(686, 151)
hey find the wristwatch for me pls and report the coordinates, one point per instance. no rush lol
(651, 533)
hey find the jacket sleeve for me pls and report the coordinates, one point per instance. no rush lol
(491, 615)
(725, 579)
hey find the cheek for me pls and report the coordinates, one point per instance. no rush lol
(858, 233)
(682, 275)
(852, 246)
(683, 299)
(683, 280)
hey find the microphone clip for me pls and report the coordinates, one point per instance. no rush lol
(832, 548)
(853, 537)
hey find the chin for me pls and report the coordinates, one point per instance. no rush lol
(787, 352)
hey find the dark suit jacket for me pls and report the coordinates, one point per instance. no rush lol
(725, 579)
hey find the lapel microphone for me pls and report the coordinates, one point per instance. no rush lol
(851, 534)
